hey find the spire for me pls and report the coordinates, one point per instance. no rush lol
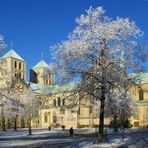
(11, 45)
(42, 55)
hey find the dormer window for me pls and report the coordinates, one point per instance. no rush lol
(141, 94)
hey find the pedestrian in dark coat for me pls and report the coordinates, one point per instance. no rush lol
(71, 132)
(49, 128)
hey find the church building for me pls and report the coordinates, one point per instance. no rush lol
(59, 108)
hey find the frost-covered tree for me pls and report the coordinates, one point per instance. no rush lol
(5, 103)
(3, 88)
(30, 105)
(120, 106)
(16, 107)
(100, 51)
(2, 43)
(11, 106)
(2, 47)
(9, 96)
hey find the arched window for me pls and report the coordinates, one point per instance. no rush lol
(63, 102)
(141, 94)
(20, 65)
(15, 64)
(90, 109)
(49, 117)
(59, 101)
(45, 117)
(54, 103)
(54, 117)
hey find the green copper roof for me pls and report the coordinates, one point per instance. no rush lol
(63, 88)
(41, 64)
(55, 89)
(13, 54)
(142, 102)
(39, 88)
(139, 77)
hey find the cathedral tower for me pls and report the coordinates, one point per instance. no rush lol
(14, 64)
(41, 74)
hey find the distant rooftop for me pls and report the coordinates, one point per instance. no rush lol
(41, 64)
(47, 90)
(13, 54)
(141, 77)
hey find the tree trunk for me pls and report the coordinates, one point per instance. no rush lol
(3, 120)
(103, 89)
(9, 124)
(15, 123)
(115, 124)
(30, 129)
(101, 124)
(3, 124)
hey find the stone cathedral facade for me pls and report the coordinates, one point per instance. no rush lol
(59, 108)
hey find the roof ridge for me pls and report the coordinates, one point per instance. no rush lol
(41, 64)
(12, 53)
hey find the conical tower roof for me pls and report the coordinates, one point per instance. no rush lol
(41, 64)
(11, 53)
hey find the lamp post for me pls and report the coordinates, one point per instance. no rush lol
(3, 117)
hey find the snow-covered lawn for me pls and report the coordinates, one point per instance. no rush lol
(134, 136)
(23, 133)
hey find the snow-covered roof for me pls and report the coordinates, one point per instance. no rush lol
(13, 54)
(41, 64)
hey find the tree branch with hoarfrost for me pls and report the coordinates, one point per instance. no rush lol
(2, 43)
(100, 52)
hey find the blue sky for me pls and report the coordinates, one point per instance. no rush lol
(34, 25)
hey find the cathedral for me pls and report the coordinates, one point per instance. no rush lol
(58, 108)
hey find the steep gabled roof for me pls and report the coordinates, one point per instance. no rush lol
(41, 64)
(11, 53)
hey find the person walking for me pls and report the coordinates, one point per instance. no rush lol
(71, 132)
(123, 132)
(49, 128)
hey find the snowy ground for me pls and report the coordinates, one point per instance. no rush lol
(134, 137)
